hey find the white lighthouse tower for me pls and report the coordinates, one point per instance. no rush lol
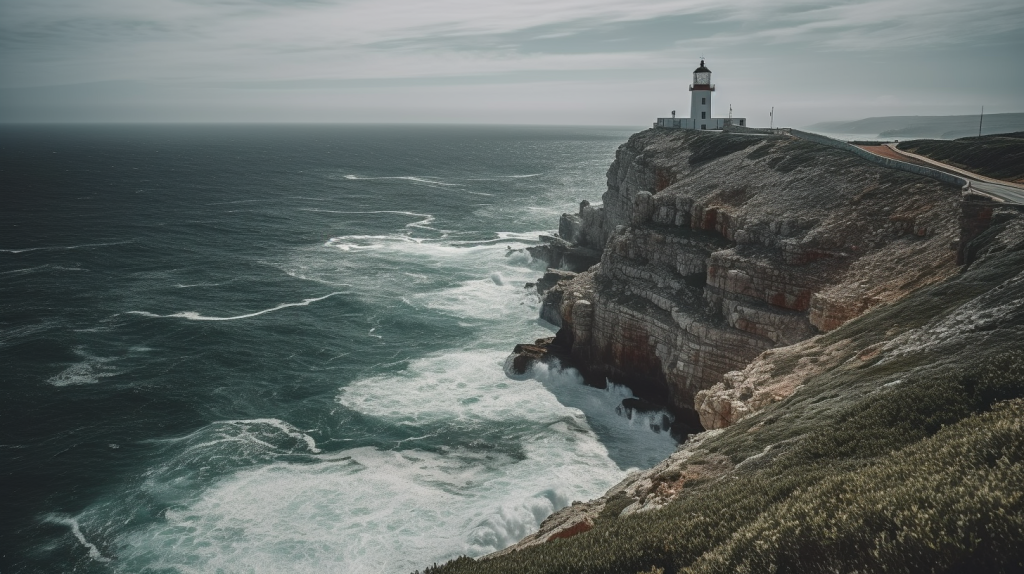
(700, 118)
(700, 96)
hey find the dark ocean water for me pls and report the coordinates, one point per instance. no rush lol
(280, 349)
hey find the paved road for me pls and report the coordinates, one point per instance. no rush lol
(1006, 192)
(1009, 192)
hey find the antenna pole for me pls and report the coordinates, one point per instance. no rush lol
(980, 120)
(772, 116)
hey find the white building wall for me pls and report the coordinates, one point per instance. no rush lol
(700, 103)
(705, 124)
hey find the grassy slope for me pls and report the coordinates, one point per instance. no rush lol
(998, 156)
(913, 463)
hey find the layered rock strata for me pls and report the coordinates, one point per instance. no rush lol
(718, 247)
(796, 394)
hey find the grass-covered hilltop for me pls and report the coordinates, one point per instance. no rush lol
(999, 156)
(853, 335)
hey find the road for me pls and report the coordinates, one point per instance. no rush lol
(1009, 192)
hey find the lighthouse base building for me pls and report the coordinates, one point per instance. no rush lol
(692, 124)
(700, 107)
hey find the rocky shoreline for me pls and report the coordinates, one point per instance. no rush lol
(834, 339)
(711, 249)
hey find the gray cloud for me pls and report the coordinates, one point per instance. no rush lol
(582, 61)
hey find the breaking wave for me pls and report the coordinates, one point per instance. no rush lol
(63, 247)
(194, 316)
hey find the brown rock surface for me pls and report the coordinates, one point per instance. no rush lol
(525, 355)
(719, 247)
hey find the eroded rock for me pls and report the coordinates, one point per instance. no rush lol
(706, 264)
(525, 355)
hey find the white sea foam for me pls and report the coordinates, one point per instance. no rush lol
(280, 425)
(463, 386)
(398, 510)
(402, 506)
(358, 511)
(634, 440)
(87, 372)
(62, 247)
(497, 296)
(23, 271)
(426, 180)
(496, 177)
(233, 442)
(195, 316)
(427, 218)
(407, 249)
(511, 235)
(94, 551)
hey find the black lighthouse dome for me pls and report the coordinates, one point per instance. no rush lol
(702, 76)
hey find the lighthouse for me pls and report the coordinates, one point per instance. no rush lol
(700, 96)
(700, 118)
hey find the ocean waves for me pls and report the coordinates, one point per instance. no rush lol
(62, 247)
(423, 223)
(433, 182)
(195, 316)
(86, 372)
(362, 423)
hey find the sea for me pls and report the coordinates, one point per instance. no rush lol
(281, 348)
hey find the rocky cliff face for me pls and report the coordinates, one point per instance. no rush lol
(875, 443)
(716, 248)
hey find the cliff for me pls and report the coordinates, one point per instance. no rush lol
(858, 333)
(718, 247)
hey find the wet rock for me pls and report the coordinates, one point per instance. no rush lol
(551, 278)
(640, 405)
(560, 254)
(525, 355)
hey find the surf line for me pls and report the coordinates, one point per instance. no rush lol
(63, 247)
(94, 551)
(407, 178)
(193, 316)
(427, 217)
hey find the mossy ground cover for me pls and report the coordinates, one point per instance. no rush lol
(709, 147)
(1000, 156)
(901, 463)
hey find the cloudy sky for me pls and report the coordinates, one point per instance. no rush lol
(605, 62)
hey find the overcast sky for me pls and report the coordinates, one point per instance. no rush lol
(604, 62)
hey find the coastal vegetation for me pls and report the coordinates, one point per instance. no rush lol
(902, 465)
(904, 453)
(998, 156)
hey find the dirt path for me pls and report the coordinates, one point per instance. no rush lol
(886, 151)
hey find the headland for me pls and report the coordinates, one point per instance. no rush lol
(838, 341)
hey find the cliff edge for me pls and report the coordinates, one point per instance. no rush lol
(857, 333)
(718, 247)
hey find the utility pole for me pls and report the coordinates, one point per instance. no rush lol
(980, 120)
(771, 125)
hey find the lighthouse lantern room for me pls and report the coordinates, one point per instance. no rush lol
(700, 118)
(700, 94)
